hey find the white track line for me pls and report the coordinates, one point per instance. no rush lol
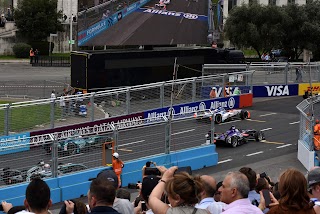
(182, 132)
(267, 129)
(126, 144)
(279, 147)
(232, 121)
(294, 122)
(224, 161)
(264, 115)
(256, 153)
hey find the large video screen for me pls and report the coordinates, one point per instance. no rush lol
(142, 22)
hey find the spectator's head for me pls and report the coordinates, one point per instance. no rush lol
(251, 175)
(123, 193)
(148, 184)
(38, 196)
(209, 186)
(110, 176)
(217, 194)
(79, 208)
(293, 190)
(262, 183)
(184, 189)
(101, 193)
(148, 163)
(314, 182)
(234, 186)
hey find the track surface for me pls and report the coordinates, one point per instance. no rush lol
(144, 28)
(278, 118)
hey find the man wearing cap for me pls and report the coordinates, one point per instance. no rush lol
(117, 165)
(123, 206)
(213, 93)
(313, 178)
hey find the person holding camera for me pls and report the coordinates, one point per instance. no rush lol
(183, 192)
(252, 177)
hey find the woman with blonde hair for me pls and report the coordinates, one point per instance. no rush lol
(183, 192)
(294, 196)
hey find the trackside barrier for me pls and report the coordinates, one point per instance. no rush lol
(77, 185)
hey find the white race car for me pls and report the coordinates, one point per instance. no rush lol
(221, 115)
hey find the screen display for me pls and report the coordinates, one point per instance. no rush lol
(142, 22)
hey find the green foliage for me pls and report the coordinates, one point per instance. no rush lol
(21, 50)
(42, 46)
(291, 27)
(36, 19)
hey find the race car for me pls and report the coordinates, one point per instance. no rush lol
(41, 170)
(77, 144)
(162, 5)
(235, 137)
(221, 115)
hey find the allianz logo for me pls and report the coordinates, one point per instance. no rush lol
(277, 90)
(230, 103)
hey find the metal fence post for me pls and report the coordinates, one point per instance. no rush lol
(55, 155)
(212, 128)
(194, 89)
(6, 120)
(167, 136)
(286, 74)
(162, 95)
(128, 100)
(115, 136)
(53, 102)
(223, 86)
(92, 106)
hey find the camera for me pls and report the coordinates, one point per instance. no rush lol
(152, 171)
(1, 207)
(263, 175)
(143, 206)
(184, 169)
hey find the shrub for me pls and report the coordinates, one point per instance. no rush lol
(21, 50)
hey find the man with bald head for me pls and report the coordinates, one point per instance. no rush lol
(234, 192)
(209, 189)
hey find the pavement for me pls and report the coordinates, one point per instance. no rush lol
(25, 61)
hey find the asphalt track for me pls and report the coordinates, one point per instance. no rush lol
(151, 28)
(278, 118)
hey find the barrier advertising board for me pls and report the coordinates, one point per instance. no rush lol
(275, 90)
(303, 87)
(14, 143)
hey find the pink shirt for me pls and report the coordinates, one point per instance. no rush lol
(241, 206)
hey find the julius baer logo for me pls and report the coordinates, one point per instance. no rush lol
(187, 109)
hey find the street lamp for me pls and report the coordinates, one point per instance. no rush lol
(51, 35)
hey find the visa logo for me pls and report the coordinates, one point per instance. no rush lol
(277, 90)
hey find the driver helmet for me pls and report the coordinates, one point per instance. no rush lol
(317, 121)
(116, 155)
(46, 167)
(233, 128)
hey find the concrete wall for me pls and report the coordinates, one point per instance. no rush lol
(6, 45)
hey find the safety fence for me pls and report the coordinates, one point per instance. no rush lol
(24, 157)
(89, 107)
(309, 142)
(51, 61)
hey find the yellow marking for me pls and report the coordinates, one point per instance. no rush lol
(264, 141)
(260, 121)
(125, 150)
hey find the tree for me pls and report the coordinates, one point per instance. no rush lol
(36, 19)
(255, 26)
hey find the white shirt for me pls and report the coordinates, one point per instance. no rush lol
(204, 203)
(216, 207)
(53, 96)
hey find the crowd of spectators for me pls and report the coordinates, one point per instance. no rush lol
(173, 192)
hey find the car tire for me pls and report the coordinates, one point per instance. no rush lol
(244, 115)
(218, 118)
(258, 136)
(233, 141)
(72, 148)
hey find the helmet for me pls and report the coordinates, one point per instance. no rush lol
(116, 155)
(317, 121)
(233, 128)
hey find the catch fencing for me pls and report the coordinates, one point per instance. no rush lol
(74, 109)
(71, 152)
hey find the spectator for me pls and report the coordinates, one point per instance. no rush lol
(207, 201)
(183, 191)
(214, 44)
(123, 206)
(263, 57)
(31, 54)
(253, 196)
(36, 54)
(294, 196)
(2, 20)
(234, 192)
(63, 106)
(313, 178)
(213, 93)
(148, 184)
(267, 57)
(299, 74)
(236, 91)
(73, 206)
(262, 183)
(216, 196)
(101, 196)
(37, 199)
(117, 165)
(123, 193)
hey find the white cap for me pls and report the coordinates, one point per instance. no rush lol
(116, 155)
(213, 88)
